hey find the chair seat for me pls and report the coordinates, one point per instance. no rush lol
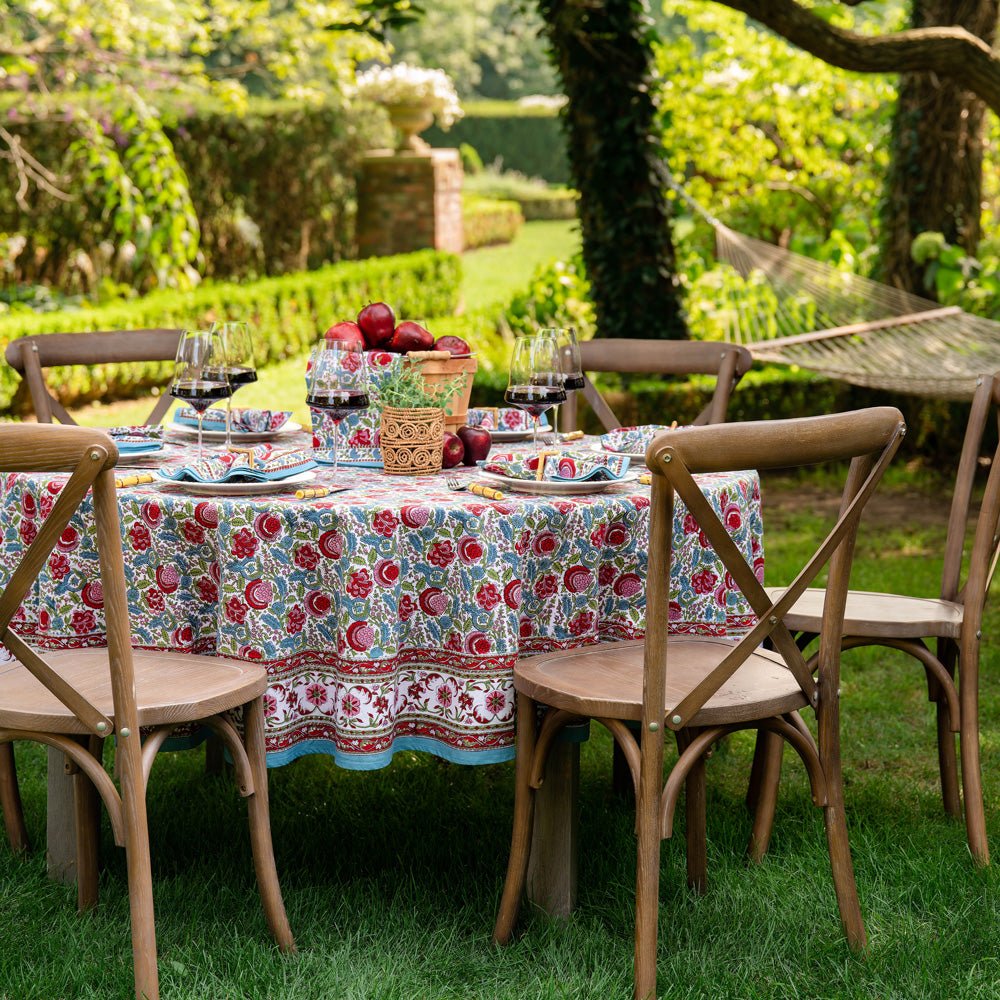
(874, 615)
(170, 688)
(606, 681)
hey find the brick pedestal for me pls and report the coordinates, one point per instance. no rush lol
(409, 201)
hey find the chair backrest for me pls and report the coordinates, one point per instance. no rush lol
(728, 362)
(985, 545)
(89, 456)
(868, 438)
(29, 356)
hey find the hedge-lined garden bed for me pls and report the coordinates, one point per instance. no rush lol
(287, 314)
(488, 221)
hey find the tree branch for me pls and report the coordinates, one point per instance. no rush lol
(952, 52)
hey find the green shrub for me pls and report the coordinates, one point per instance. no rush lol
(287, 314)
(559, 203)
(537, 199)
(487, 221)
(526, 139)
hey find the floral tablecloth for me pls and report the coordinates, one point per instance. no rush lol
(389, 616)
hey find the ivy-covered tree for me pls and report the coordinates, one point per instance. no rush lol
(603, 52)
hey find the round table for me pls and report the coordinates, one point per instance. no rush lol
(389, 615)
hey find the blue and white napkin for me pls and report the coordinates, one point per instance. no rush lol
(244, 421)
(137, 440)
(263, 464)
(566, 467)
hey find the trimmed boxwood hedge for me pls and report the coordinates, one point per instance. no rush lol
(287, 314)
(487, 221)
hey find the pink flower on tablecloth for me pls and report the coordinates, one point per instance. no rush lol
(83, 622)
(360, 583)
(167, 578)
(690, 524)
(563, 506)
(140, 537)
(306, 556)
(43, 621)
(151, 512)
(331, 544)
(628, 585)
(674, 612)
(296, 619)
(413, 515)
(386, 573)
(470, 550)
(546, 586)
(28, 506)
(316, 694)
(488, 597)
(733, 519)
(360, 636)
(512, 594)
(318, 603)
(206, 513)
(351, 362)
(381, 705)
(183, 637)
(154, 599)
(606, 574)
(616, 534)
(236, 610)
(582, 623)
(55, 487)
(244, 543)
(597, 536)
(193, 532)
(248, 652)
(521, 545)
(270, 706)
(454, 642)
(495, 702)
(525, 628)
(441, 554)
(703, 540)
(58, 566)
(544, 543)
(704, 581)
(577, 579)
(758, 570)
(45, 504)
(444, 696)
(68, 540)
(407, 606)
(641, 503)
(385, 523)
(350, 705)
(465, 701)
(267, 526)
(258, 593)
(433, 601)
(207, 589)
(476, 642)
(361, 438)
(27, 532)
(93, 594)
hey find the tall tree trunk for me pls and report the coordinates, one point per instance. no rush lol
(603, 52)
(935, 179)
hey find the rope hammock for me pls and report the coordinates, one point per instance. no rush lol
(798, 311)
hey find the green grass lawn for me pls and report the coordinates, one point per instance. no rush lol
(391, 878)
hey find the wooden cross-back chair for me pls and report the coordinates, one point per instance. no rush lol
(74, 700)
(728, 362)
(953, 620)
(704, 688)
(31, 355)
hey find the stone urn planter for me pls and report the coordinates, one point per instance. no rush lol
(410, 120)
(411, 440)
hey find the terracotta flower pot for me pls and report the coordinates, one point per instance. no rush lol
(412, 440)
(440, 368)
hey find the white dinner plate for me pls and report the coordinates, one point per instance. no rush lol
(502, 437)
(250, 437)
(549, 488)
(237, 489)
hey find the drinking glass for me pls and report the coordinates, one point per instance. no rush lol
(237, 347)
(536, 380)
(337, 383)
(200, 374)
(569, 362)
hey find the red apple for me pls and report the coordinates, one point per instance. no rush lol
(454, 450)
(453, 345)
(377, 323)
(410, 336)
(346, 333)
(477, 442)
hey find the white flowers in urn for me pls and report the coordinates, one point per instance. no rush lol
(413, 96)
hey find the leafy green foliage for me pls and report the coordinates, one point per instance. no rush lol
(286, 313)
(955, 278)
(488, 221)
(537, 199)
(406, 388)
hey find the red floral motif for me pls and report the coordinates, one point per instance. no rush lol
(606, 574)
(578, 579)
(544, 543)
(296, 619)
(27, 531)
(414, 516)
(207, 589)
(244, 544)
(628, 585)
(385, 522)
(194, 533)
(151, 512)
(267, 526)
(407, 606)
(306, 556)
(704, 581)
(477, 643)
(597, 536)
(28, 505)
(207, 514)
(444, 695)
(43, 621)
(270, 706)
(379, 358)
(140, 537)
(488, 597)
(93, 594)
(248, 652)
(360, 636)
(361, 438)
(469, 550)
(581, 623)
(386, 573)
(641, 503)
(454, 642)
(546, 586)
(183, 637)
(236, 610)
(521, 545)
(351, 362)
(83, 622)
(154, 599)
(259, 593)
(331, 544)
(563, 506)
(350, 704)
(690, 524)
(616, 535)
(58, 566)
(360, 583)
(318, 603)
(167, 578)
(433, 601)
(316, 694)
(45, 504)
(495, 702)
(733, 519)
(512, 594)
(441, 554)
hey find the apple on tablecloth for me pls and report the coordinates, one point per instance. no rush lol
(477, 442)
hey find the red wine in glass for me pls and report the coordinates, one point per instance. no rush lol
(535, 399)
(201, 393)
(573, 382)
(339, 402)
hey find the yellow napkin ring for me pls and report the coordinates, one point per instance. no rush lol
(136, 480)
(485, 491)
(311, 493)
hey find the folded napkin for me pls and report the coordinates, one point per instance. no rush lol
(244, 421)
(564, 467)
(632, 440)
(503, 418)
(137, 440)
(257, 465)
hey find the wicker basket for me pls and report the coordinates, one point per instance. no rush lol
(412, 440)
(439, 368)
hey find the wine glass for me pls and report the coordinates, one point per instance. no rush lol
(536, 380)
(200, 374)
(569, 361)
(337, 383)
(237, 347)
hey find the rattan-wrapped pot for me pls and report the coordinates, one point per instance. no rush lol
(412, 440)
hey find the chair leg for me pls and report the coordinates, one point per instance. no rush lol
(10, 801)
(260, 828)
(87, 817)
(972, 779)
(947, 762)
(524, 816)
(768, 752)
(647, 868)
